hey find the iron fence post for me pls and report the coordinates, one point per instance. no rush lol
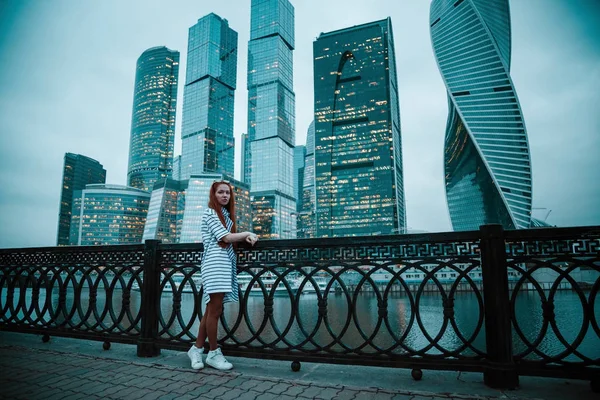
(501, 371)
(146, 346)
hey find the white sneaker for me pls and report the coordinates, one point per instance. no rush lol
(216, 360)
(195, 354)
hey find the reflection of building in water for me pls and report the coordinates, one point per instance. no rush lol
(413, 273)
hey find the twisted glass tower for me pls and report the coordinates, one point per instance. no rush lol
(486, 152)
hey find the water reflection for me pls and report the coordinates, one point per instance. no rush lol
(353, 324)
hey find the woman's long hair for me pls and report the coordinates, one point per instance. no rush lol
(214, 204)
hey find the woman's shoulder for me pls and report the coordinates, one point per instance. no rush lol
(209, 211)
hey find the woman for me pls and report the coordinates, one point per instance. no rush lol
(218, 271)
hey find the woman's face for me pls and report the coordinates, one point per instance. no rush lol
(223, 194)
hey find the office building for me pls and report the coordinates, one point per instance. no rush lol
(153, 117)
(196, 202)
(271, 118)
(108, 214)
(299, 155)
(165, 211)
(306, 216)
(358, 152)
(208, 98)
(78, 171)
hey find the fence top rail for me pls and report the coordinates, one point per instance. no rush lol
(74, 249)
(395, 239)
(349, 241)
(577, 232)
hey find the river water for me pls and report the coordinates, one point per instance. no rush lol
(351, 325)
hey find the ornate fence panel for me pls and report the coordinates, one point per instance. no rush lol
(81, 292)
(560, 271)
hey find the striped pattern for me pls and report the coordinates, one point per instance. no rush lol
(487, 160)
(218, 268)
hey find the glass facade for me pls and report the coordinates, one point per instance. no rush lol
(306, 216)
(108, 214)
(208, 98)
(78, 171)
(245, 167)
(299, 155)
(487, 165)
(177, 168)
(271, 118)
(165, 212)
(359, 185)
(196, 201)
(153, 118)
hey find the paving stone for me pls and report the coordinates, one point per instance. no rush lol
(403, 397)
(201, 390)
(77, 396)
(159, 384)
(311, 392)
(327, 393)
(112, 390)
(231, 394)
(295, 390)
(279, 388)
(142, 394)
(169, 396)
(249, 395)
(373, 395)
(345, 394)
(263, 386)
(267, 396)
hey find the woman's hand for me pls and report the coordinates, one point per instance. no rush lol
(251, 238)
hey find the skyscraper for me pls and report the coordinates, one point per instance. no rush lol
(358, 148)
(306, 216)
(108, 214)
(271, 118)
(196, 201)
(486, 152)
(299, 156)
(165, 211)
(177, 168)
(78, 171)
(153, 117)
(245, 164)
(208, 97)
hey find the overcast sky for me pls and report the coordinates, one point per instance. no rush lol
(67, 70)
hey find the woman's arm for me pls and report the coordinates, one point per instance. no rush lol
(240, 237)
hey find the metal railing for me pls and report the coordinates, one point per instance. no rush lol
(489, 301)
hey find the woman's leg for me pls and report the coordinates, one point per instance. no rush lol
(201, 338)
(213, 311)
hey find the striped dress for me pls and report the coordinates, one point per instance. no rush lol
(218, 267)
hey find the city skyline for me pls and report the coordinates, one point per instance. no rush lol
(555, 58)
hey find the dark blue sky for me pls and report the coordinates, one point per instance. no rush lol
(68, 66)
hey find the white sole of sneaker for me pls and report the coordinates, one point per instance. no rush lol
(227, 368)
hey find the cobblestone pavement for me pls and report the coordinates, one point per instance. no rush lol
(29, 373)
